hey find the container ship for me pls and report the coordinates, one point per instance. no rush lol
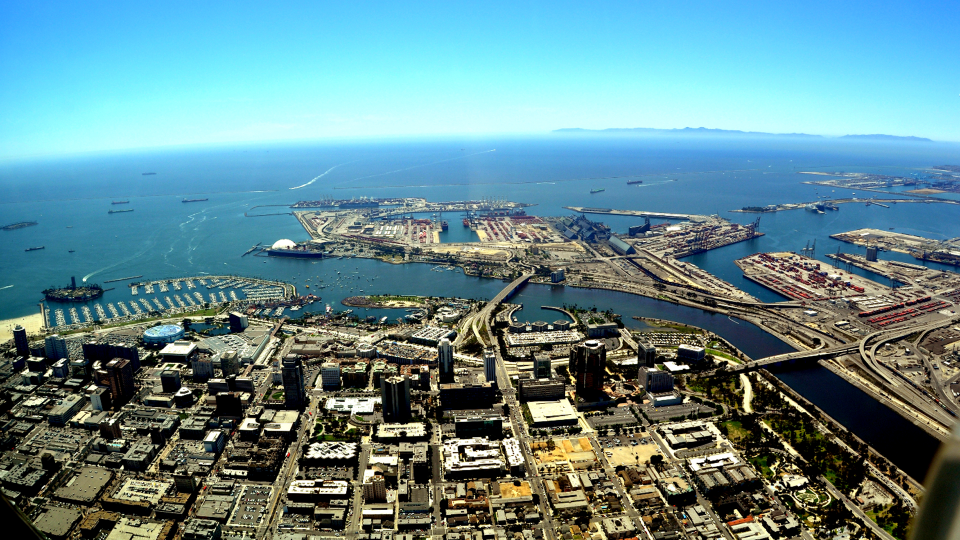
(119, 211)
(194, 200)
(35, 248)
(20, 225)
(120, 202)
(72, 293)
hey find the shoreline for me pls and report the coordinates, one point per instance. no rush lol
(32, 323)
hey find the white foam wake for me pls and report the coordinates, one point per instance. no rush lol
(317, 178)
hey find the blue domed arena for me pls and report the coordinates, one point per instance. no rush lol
(165, 333)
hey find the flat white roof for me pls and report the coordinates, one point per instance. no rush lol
(552, 411)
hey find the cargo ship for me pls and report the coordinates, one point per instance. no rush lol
(630, 182)
(19, 225)
(466, 222)
(148, 173)
(72, 293)
(119, 211)
(194, 200)
(592, 191)
(444, 225)
(120, 202)
(35, 248)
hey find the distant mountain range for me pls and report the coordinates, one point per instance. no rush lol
(730, 133)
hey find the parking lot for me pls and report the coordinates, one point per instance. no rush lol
(251, 506)
(630, 449)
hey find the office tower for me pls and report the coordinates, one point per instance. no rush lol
(490, 365)
(587, 362)
(375, 489)
(55, 347)
(170, 379)
(655, 381)
(230, 363)
(61, 369)
(238, 322)
(202, 368)
(542, 367)
(445, 360)
(330, 375)
(119, 377)
(646, 355)
(294, 391)
(20, 340)
(395, 392)
(100, 398)
(80, 368)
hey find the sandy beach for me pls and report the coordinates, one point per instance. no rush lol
(33, 324)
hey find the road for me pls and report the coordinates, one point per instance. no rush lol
(853, 508)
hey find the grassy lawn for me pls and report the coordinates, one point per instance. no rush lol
(276, 395)
(735, 430)
(762, 463)
(722, 354)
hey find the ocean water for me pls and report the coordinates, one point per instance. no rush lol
(163, 237)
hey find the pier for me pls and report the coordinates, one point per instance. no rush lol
(121, 279)
(638, 213)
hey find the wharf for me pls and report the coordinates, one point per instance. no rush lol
(946, 251)
(803, 205)
(121, 279)
(638, 213)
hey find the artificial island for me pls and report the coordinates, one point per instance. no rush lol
(224, 407)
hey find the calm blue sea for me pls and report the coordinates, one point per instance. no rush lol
(163, 237)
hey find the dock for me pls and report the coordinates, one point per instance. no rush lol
(121, 279)
(638, 213)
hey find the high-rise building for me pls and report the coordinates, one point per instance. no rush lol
(230, 363)
(99, 398)
(646, 355)
(587, 362)
(170, 380)
(55, 347)
(330, 375)
(202, 368)
(119, 377)
(395, 394)
(490, 365)
(238, 322)
(294, 390)
(445, 360)
(542, 366)
(20, 341)
(557, 276)
(655, 381)
(61, 369)
(375, 489)
(872, 253)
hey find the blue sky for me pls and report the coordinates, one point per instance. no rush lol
(88, 76)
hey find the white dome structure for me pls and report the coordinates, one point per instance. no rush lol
(283, 244)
